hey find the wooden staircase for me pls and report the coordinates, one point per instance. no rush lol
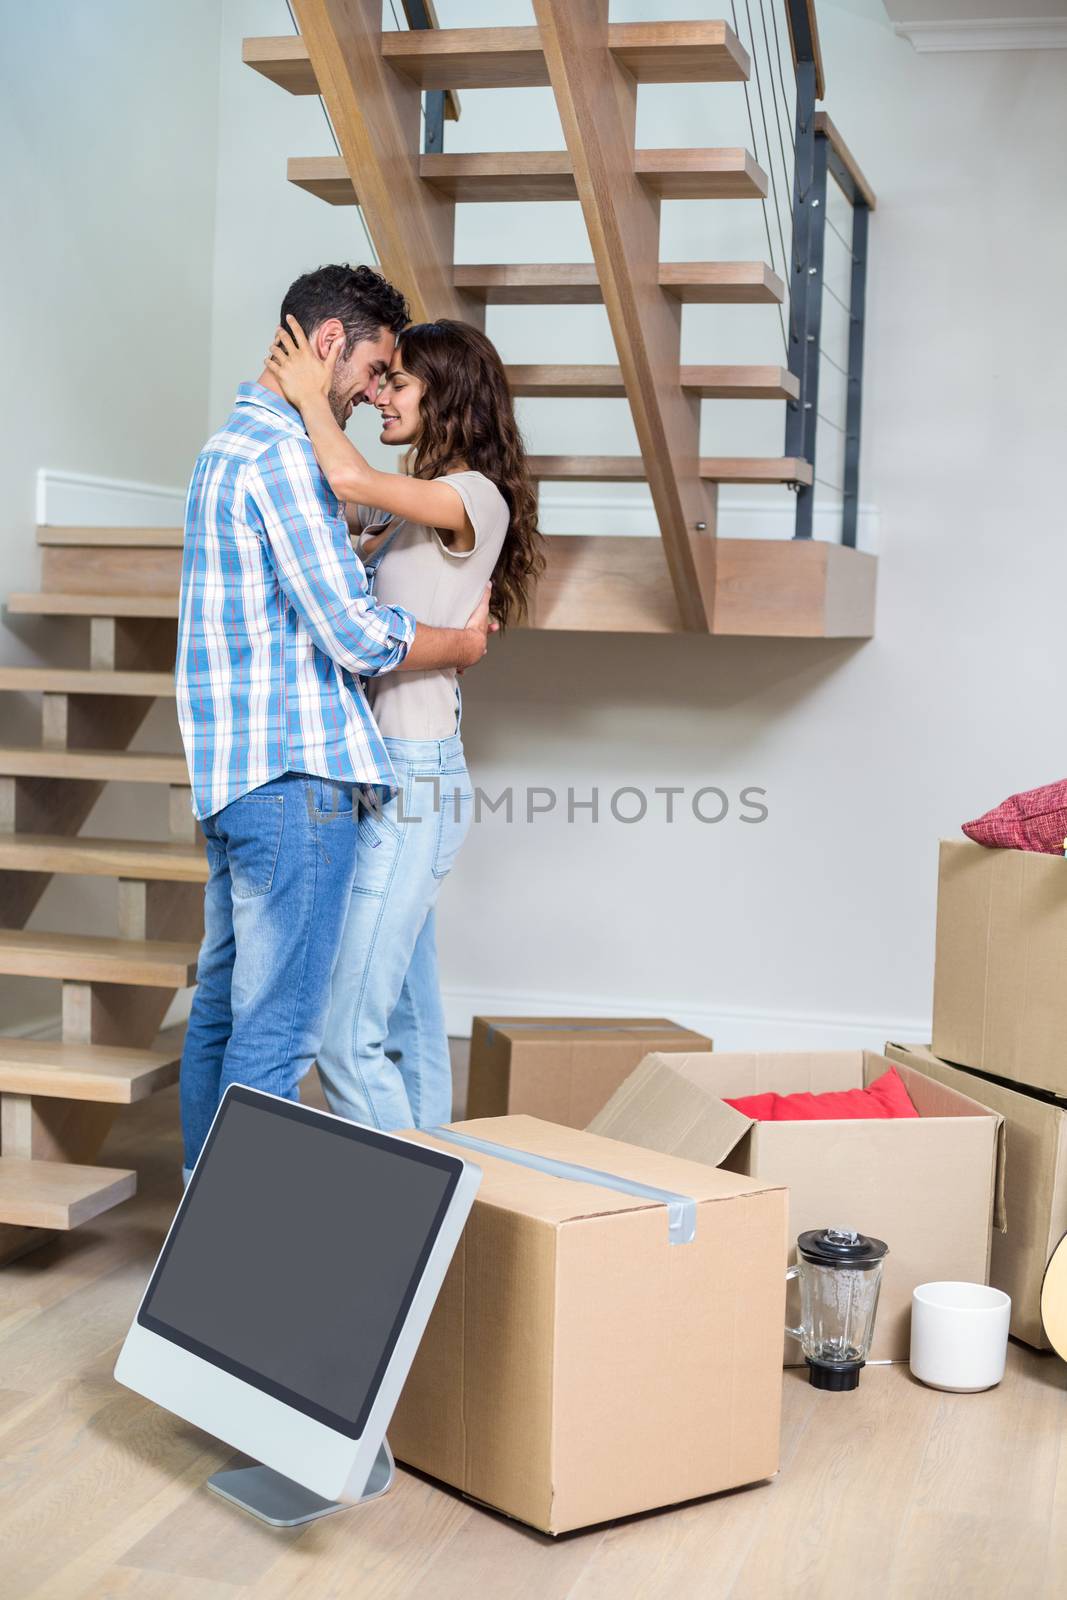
(58, 1098)
(371, 85)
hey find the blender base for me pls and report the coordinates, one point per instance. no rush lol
(836, 1375)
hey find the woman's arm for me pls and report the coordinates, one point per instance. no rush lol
(305, 382)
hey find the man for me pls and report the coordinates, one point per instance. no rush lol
(275, 623)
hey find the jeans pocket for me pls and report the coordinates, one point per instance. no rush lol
(250, 829)
(453, 821)
(328, 799)
(377, 848)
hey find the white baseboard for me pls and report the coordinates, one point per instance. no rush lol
(630, 515)
(994, 33)
(78, 499)
(731, 1028)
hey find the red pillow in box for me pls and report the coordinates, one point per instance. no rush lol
(1034, 820)
(885, 1097)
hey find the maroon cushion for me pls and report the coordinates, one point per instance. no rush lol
(1034, 820)
(885, 1097)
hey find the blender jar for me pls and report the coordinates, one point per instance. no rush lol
(840, 1273)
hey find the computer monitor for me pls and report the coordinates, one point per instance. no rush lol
(290, 1296)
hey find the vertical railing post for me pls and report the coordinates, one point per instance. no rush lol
(857, 312)
(805, 308)
(420, 15)
(433, 142)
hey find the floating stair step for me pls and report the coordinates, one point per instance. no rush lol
(56, 1194)
(547, 175)
(72, 680)
(139, 538)
(741, 383)
(715, 283)
(510, 58)
(97, 766)
(93, 605)
(756, 469)
(626, 469)
(149, 963)
(103, 858)
(576, 283)
(115, 1074)
(764, 588)
(605, 383)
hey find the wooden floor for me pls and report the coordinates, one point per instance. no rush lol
(893, 1493)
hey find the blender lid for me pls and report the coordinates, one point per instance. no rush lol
(841, 1247)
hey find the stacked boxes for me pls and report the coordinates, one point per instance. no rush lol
(1000, 1036)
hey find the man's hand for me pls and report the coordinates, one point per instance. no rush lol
(479, 626)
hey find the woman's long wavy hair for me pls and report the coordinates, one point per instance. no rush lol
(468, 416)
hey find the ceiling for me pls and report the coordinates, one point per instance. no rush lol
(974, 10)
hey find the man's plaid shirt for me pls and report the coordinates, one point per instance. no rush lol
(276, 622)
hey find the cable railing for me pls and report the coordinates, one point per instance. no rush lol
(827, 289)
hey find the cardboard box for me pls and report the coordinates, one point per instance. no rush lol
(578, 1366)
(1033, 1217)
(562, 1069)
(925, 1185)
(1000, 1000)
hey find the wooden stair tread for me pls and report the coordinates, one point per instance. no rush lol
(626, 469)
(76, 680)
(126, 766)
(509, 175)
(765, 588)
(57, 1194)
(57, 604)
(152, 963)
(605, 382)
(116, 1074)
(576, 283)
(123, 858)
(143, 538)
(503, 58)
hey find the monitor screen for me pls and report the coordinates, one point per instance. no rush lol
(296, 1254)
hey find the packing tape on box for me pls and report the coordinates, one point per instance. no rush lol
(582, 1027)
(681, 1208)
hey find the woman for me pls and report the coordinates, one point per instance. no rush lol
(465, 512)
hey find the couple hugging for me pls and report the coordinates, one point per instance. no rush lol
(326, 611)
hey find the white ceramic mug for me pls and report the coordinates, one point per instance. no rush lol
(959, 1335)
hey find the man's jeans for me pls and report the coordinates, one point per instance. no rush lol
(281, 861)
(384, 1057)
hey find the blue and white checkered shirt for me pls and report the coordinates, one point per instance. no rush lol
(276, 619)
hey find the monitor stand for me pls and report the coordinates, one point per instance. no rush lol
(285, 1504)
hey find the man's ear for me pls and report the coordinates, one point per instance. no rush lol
(326, 335)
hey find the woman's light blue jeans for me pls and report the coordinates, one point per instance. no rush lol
(281, 861)
(384, 1058)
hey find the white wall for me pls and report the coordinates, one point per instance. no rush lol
(108, 124)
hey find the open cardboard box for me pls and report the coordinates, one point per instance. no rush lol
(1035, 1181)
(925, 1185)
(579, 1365)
